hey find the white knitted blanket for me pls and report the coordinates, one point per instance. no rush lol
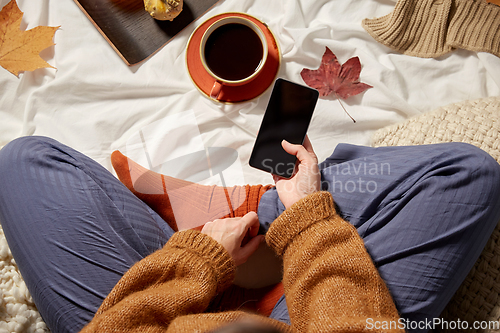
(17, 310)
(476, 122)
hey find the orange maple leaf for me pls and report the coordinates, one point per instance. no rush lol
(19, 50)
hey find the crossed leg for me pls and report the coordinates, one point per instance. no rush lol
(424, 213)
(74, 229)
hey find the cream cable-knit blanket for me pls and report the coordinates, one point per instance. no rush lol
(17, 310)
(476, 122)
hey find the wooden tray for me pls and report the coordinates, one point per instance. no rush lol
(131, 31)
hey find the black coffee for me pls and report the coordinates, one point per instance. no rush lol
(233, 51)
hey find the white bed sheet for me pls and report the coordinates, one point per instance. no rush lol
(96, 104)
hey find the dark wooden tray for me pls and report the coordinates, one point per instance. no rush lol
(131, 31)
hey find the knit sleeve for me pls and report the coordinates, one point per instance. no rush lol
(162, 286)
(330, 281)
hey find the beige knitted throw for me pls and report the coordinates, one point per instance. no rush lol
(431, 28)
(476, 122)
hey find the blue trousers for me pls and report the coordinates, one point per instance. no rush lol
(424, 213)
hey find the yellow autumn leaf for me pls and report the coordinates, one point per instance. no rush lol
(19, 50)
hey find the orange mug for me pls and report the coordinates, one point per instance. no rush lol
(233, 50)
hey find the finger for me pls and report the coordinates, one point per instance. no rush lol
(308, 145)
(298, 150)
(277, 178)
(247, 227)
(206, 228)
(252, 246)
(251, 223)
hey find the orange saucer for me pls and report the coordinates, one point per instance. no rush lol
(232, 94)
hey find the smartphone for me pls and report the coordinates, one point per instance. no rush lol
(287, 117)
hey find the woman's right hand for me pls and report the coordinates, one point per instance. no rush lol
(232, 233)
(306, 178)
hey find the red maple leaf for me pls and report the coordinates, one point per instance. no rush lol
(343, 80)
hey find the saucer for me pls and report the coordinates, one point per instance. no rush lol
(232, 94)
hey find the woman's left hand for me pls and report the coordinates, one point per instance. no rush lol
(306, 178)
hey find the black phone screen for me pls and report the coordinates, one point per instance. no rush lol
(287, 117)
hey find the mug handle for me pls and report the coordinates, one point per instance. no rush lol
(216, 88)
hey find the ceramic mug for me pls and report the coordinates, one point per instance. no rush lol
(233, 50)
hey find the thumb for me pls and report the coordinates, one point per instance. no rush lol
(252, 246)
(298, 150)
(289, 147)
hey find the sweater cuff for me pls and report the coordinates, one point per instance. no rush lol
(211, 251)
(305, 212)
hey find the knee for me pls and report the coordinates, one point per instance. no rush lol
(475, 160)
(480, 169)
(22, 151)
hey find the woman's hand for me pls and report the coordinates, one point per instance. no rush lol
(231, 233)
(306, 178)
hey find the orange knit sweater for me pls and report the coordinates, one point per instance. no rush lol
(329, 279)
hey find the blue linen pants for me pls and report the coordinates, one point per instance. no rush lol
(424, 213)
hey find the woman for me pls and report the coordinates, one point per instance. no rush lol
(421, 214)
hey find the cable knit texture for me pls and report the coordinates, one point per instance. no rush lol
(431, 28)
(330, 281)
